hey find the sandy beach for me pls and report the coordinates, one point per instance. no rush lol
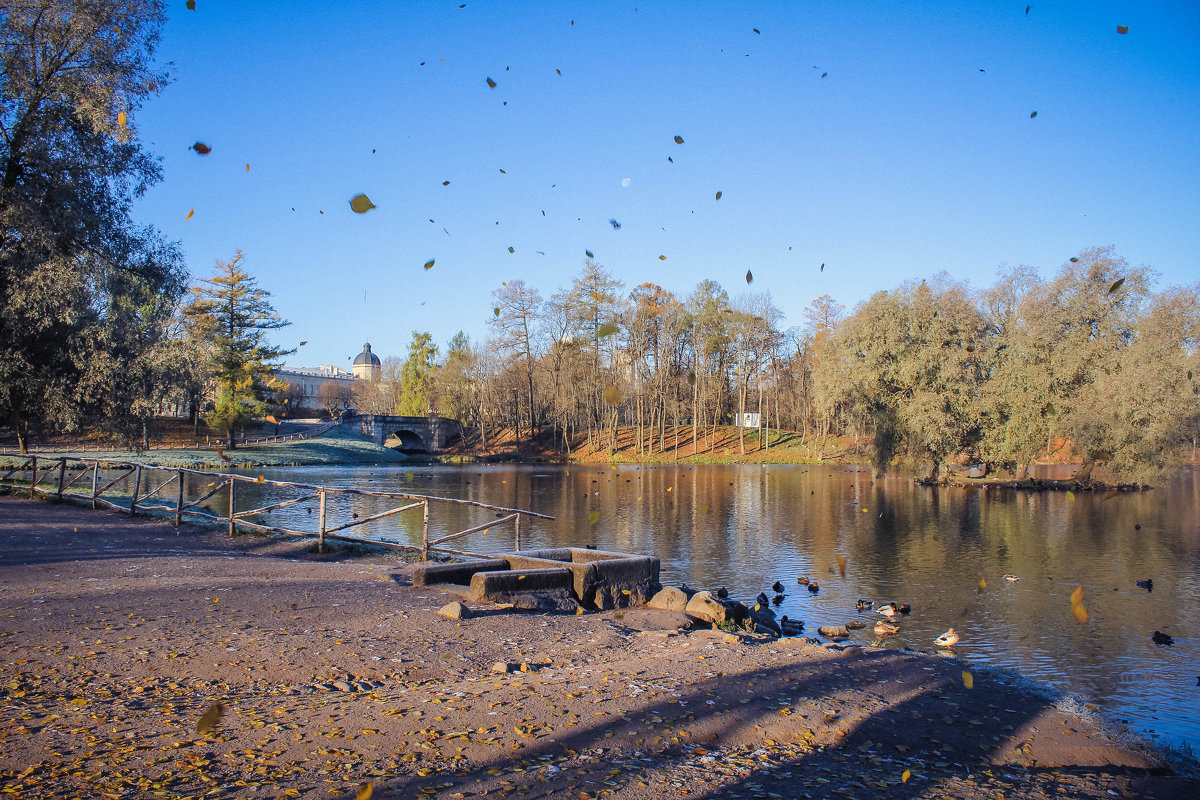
(334, 676)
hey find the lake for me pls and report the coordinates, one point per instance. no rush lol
(943, 550)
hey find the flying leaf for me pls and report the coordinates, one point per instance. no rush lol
(365, 790)
(1079, 612)
(247, 168)
(445, 183)
(607, 329)
(558, 71)
(589, 254)
(361, 204)
(692, 378)
(210, 718)
(260, 479)
(429, 263)
(496, 311)
(756, 30)
(678, 140)
(1122, 29)
(718, 196)
(1049, 411)
(491, 83)
(191, 5)
(271, 419)
(904, 776)
(662, 258)
(982, 583)
(409, 475)
(841, 559)
(1074, 260)
(1117, 285)
(121, 119)
(511, 250)
(616, 225)
(593, 517)
(612, 395)
(1032, 115)
(749, 276)
(202, 148)
(189, 215)
(1070, 495)
(968, 680)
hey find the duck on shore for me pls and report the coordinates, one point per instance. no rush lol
(947, 639)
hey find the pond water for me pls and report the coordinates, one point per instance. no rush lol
(745, 527)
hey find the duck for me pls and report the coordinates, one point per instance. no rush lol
(777, 599)
(864, 605)
(904, 608)
(1163, 638)
(778, 587)
(887, 609)
(885, 628)
(1147, 584)
(723, 593)
(803, 581)
(762, 599)
(1008, 576)
(947, 639)
(814, 587)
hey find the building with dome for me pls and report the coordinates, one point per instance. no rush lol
(367, 366)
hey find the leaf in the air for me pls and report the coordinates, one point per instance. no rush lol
(678, 140)
(121, 118)
(1050, 411)
(511, 250)
(593, 517)
(589, 254)
(408, 476)
(1077, 609)
(361, 204)
(607, 329)
(558, 71)
(662, 258)
(718, 196)
(968, 680)
(1074, 260)
(1070, 495)
(247, 168)
(904, 776)
(612, 395)
(841, 559)
(491, 83)
(429, 263)
(191, 5)
(749, 276)
(365, 790)
(1032, 114)
(691, 378)
(202, 148)
(1117, 285)
(1122, 29)
(209, 719)
(496, 311)
(756, 30)
(189, 215)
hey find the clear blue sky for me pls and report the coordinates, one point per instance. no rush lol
(914, 153)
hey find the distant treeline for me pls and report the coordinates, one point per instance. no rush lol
(933, 370)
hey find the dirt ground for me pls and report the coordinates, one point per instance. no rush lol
(336, 677)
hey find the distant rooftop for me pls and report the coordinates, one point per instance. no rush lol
(323, 371)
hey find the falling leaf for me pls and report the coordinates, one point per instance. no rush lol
(210, 718)
(692, 378)
(202, 148)
(612, 395)
(191, 5)
(361, 204)
(841, 559)
(121, 118)
(1027, 10)
(662, 258)
(1074, 260)
(616, 225)
(304, 343)
(1122, 29)
(982, 583)
(904, 776)
(822, 266)
(491, 83)
(678, 140)
(1077, 610)
(749, 276)
(968, 680)
(1070, 495)
(247, 168)
(756, 30)
(496, 311)
(1033, 114)
(260, 479)
(589, 254)
(511, 250)
(189, 215)
(593, 517)
(559, 71)
(607, 329)
(718, 196)
(1112, 289)
(429, 263)
(365, 790)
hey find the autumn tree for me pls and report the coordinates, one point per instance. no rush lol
(517, 308)
(334, 397)
(233, 315)
(74, 268)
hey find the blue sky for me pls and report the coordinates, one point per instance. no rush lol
(905, 159)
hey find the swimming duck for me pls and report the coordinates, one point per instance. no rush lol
(1163, 638)
(864, 605)
(887, 609)
(802, 581)
(904, 608)
(947, 639)
(1008, 576)
(777, 599)
(1147, 584)
(778, 587)
(885, 628)
(814, 587)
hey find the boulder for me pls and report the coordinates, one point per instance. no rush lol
(561, 601)
(833, 631)
(455, 610)
(707, 606)
(671, 598)
(854, 625)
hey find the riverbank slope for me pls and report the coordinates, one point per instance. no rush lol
(334, 671)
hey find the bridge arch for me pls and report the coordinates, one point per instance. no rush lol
(406, 441)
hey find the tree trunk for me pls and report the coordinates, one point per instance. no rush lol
(1022, 472)
(230, 441)
(22, 443)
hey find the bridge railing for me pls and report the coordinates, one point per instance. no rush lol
(241, 501)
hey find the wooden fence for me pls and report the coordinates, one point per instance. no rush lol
(166, 493)
(298, 436)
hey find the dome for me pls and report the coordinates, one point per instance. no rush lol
(366, 358)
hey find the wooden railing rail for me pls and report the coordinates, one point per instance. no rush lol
(53, 470)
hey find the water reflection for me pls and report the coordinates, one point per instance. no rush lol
(745, 527)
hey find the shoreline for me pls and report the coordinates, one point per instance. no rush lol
(123, 632)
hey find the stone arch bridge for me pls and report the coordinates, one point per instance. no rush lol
(416, 434)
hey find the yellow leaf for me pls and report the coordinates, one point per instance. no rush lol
(1070, 495)
(365, 791)
(968, 680)
(189, 215)
(904, 776)
(361, 204)
(1077, 596)
(429, 264)
(210, 718)
(612, 395)
(841, 565)
(121, 119)
(593, 517)
(1079, 612)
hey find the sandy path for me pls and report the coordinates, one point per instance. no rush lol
(116, 635)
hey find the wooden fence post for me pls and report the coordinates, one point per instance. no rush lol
(33, 479)
(321, 525)
(517, 525)
(425, 531)
(95, 475)
(137, 487)
(62, 469)
(232, 483)
(179, 500)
